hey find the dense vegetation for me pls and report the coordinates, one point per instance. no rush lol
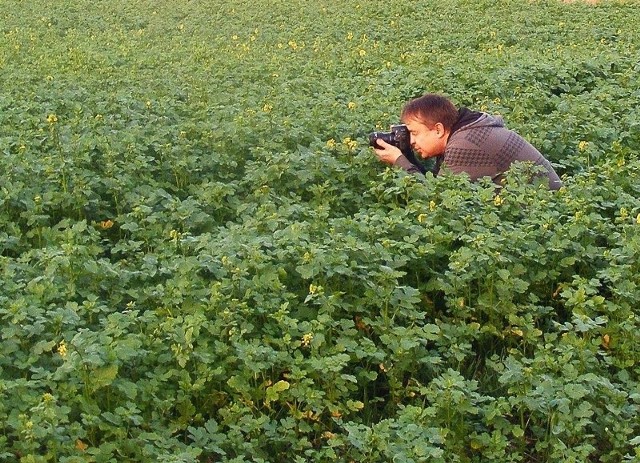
(201, 259)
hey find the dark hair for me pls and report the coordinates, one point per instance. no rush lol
(431, 109)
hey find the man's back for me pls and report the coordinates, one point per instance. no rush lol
(484, 147)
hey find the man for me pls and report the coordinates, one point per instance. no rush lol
(470, 142)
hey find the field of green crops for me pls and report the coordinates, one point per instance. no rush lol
(201, 260)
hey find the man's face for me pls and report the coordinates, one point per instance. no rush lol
(425, 141)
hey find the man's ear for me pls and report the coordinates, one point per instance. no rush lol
(440, 130)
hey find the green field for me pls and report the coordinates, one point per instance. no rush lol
(203, 261)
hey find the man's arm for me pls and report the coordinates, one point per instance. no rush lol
(407, 165)
(390, 154)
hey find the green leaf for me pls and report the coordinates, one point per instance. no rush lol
(103, 376)
(273, 392)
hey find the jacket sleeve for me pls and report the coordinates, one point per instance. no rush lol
(405, 164)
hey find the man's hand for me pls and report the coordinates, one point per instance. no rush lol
(387, 153)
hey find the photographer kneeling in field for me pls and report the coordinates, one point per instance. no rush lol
(470, 142)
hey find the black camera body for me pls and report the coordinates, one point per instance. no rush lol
(398, 136)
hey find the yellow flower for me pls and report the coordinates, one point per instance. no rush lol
(315, 289)
(81, 445)
(106, 224)
(498, 200)
(306, 339)
(267, 108)
(351, 105)
(362, 52)
(638, 219)
(583, 145)
(349, 143)
(331, 143)
(62, 349)
(432, 205)
(350, 36)
(52, 118)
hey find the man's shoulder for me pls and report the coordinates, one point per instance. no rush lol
(484, 121)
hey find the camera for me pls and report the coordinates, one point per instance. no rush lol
(398, 137)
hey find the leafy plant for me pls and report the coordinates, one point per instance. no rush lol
(202, 261)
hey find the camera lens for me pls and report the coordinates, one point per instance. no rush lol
(385, 136)
(372, 139)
